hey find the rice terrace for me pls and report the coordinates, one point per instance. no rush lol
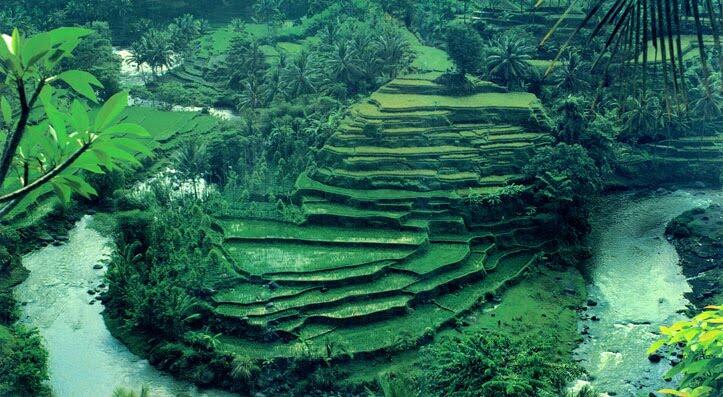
(385, 198)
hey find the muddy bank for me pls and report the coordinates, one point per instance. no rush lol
(698, 238)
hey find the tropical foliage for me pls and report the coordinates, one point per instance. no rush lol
(630, 27)
(701, 339)
(23, 364)
(491, 364)
(48, 138)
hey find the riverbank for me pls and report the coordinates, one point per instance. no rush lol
(60, 298)
(698, 238)
(635, 286)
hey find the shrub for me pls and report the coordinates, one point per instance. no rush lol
(489, 364)
(23, 364)
(464, 46)
(554, 166)
(8, 309)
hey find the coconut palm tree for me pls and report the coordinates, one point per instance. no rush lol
(191, 162)
(507, 59)
(155, 49)
(572, 76)
(252, 97)
(393, 50)
(268, 11)
(301, 75)
(183, 31)
(342, 62)
(641, 116)
(630, 26)
(707, 103)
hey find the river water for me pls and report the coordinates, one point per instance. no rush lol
(638, 286)
(85, 360)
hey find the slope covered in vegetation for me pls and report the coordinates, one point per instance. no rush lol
(387, 247)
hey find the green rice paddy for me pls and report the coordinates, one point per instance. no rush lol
(385, 250)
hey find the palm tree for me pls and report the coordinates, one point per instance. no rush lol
(393, 50)
(630, 25)
(243, 369)
(707, 103)
(252, 97)
(342, 62)
(301, 75)
(191, 161)
(507, 59)
(268, 11)
(184, 30)
(571, 77)
(238, 25)
(155, 49)
(641, 116)
(273, 83)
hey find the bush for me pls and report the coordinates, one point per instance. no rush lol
(23, 364)
(489, 364)
(8, 309)
(464, 46)
(566, 171)
(175, 93)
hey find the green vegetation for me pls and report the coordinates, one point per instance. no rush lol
(465, 48)
(701, 340)
(23, 362)
(484, 364)
(48, 152)
(347, 197)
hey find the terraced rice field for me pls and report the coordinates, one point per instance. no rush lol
(167, 126)
(695, 158)
(386, 248)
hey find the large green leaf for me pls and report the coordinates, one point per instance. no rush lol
(35, 49)
(89, 161)
(79, 119)
(82, 83)
(124, 129)
(6, 110)
(61, 190)
(111, 110)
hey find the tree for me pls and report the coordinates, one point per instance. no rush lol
(552, 166)
(490, 364)
(507, 59)
(631, 25)
(155, 49)
(191, 161)
(48, 144)
(393, 51)
(268, 11)
(23, 364)
(301, 74)
(641, 118)
(464, 46)
(572, 77)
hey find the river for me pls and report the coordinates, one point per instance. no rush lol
(85, 360)
(638, 286)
